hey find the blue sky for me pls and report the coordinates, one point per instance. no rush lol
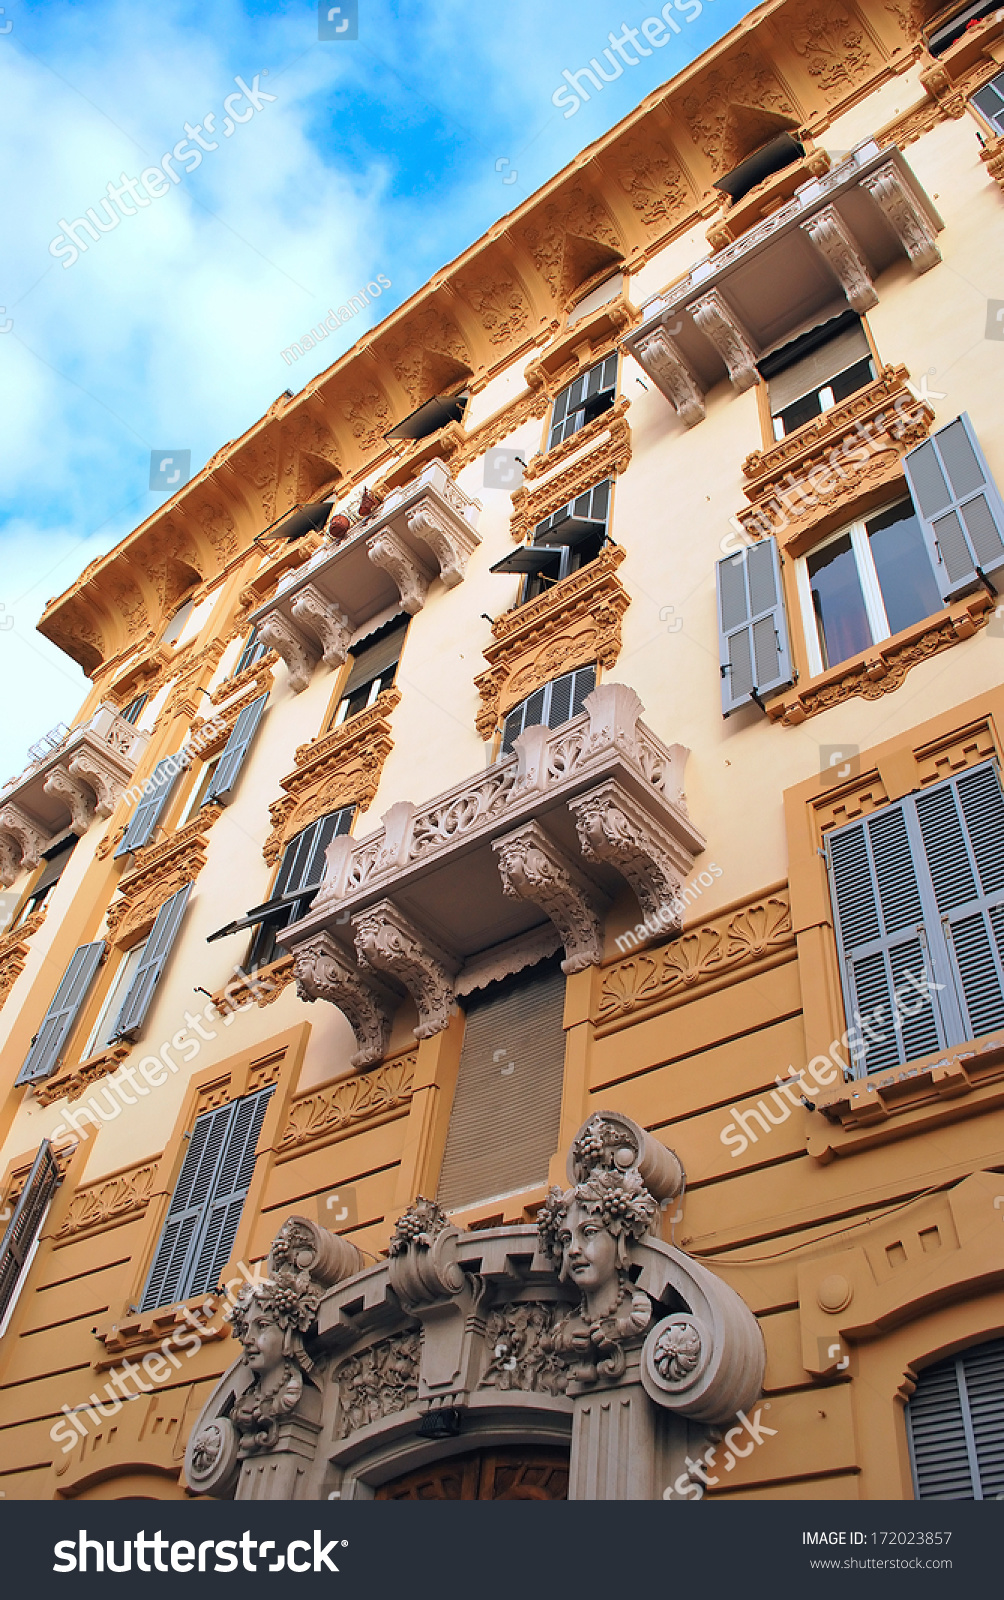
(388, 153)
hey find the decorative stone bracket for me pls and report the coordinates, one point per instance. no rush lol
(21, 843)
(325, 971)
(901, 210)
(300, 654)
(664, 362)
(411, 575)
(613, 827)
(718, 323)
(832, 238)
(331, 626)
(533, 867)
(388, 942)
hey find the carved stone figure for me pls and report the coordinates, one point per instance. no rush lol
(270, 1320)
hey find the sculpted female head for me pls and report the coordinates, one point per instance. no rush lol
(586, 1231)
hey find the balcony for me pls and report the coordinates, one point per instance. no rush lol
(81, 775)
(422, 531)
(804, 264)
(499, 871)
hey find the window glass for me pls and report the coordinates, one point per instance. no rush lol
(197, 795)
(56, 859)
(130, 713)
(990, 100)
(905, 575)
(302, 867)
(101, 1034)
(592, 506)
(177, 622)
(838, 602)
(374, 668)
(592, 393)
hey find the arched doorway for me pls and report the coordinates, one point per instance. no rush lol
(512, 1472)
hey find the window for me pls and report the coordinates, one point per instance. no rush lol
(56, 859)
(817, 371)
(960, 508)
(592, 393)
(374, 668)
(942, 35)
(569, 539)
(176, 625)
(254, 649)
(955, 1426)
(20, 1241)
(219, 790)
(507, 1104)
(130, 713)
(56, 1030)
(208, 1199)
(557, 702)
(198, 797)
(918, 892)
(147, 972)
(990, 100)
(103, 1032)
(865, 584)
(754, 658)
(156, 793)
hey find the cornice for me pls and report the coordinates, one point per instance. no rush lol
(622, 199)
(158, 871)
(341, 768)
(576, 621)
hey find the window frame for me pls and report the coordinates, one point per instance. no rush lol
(118, 987)
(553, 426)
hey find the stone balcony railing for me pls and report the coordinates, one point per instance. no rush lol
(499, 870)
(77, 780)
(423, 530)
(807, 262)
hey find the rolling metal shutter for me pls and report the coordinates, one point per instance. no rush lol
(506, 1109)
(955, 1426)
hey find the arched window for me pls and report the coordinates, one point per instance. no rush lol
(955, 1425)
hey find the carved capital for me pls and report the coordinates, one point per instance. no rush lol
(296, 650)
(422, 1267)
(78, 800)
(533, 868)
(107, 786)
(666, 366)
(904, 213)
(326, 971)
(386, 550)
(718, 323)
(331, 625)
(832, 238)
(613, 827)
(450, 544)
(388, 942)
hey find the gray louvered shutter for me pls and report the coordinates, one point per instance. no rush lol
(233, 1179)
(507, 1105)
(962, 823)
(752, 630)
(958, 505)
(192, 1195)
(225, 777)
(882, 939)
(955, 1426)
(154, 959)
(24, 1225)
(53, 1036)
(147, 814)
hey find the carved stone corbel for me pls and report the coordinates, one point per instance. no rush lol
(325, 971)
(296, 650)
(533, 868)
(420, 1258)
(78, 800)
(832, 238)
(106, 785)
(666, 367)
(386, 550)
(313, 611)
(450, 544)
(10, 860)
(718, 323)
(388, 942)
(18, 826)
(613, 827)
(905, 215)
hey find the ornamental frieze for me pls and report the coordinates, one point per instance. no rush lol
(14, 951)
(341, 768)
(316, 1118)
(575, 622)
(611, 455)
(109, 1202)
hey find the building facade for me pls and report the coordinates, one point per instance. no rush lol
(558, 746)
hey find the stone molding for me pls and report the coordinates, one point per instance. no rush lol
(573, 623)
(548, 461)
(666, 365)
(23, 843)
(718, 323)
(75, 796)
(573, 349)
(451, 543)
(364, 1099)
(609, 455)
(534, 868)
(331, 625)
(109, 1202)
(992, 155)
(326, 971)
(886, 665)
(157, 872)
(14, 951)
(267, 578)
(832, 238)
(257, 676)
(341, 768)
(731, 945)
(413, 577)
(389, 943)
(296, 651)
(614, 828)
(71, 1083)
(255, 681)
(185, 698)
(905, 216)
(261, 987)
